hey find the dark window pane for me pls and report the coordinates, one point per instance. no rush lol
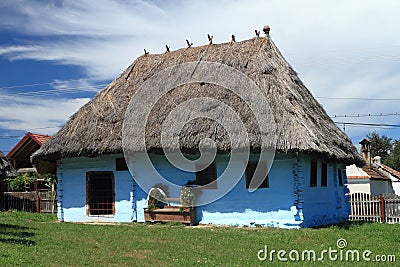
(120, 164)
(100, 193)
(340, 177)
(250, 174)
(324, 175)
(208, 176)
(313, 174)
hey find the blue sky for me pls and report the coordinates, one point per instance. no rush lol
(55, 55)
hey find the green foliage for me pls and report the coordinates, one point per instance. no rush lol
(394, 159)
(21, 183)
(386, 148)
(381, 145)
(151, 204)
(156, 197)
(29, 239)
(51, 180)
(187, 197)
(24, 181)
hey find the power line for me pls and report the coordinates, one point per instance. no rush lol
(48, 83)
(52, 92)
(371, 127)
(62, 89)
(28, 130)
(358, 98)
(10, 136)
(369, 124)
(366, 115)
(347, 60)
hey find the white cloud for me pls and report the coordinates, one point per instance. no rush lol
(31, 113)
(340, 48)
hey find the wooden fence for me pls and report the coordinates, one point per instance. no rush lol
(385, 208)
(36, 201)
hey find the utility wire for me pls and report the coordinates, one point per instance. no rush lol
(61, 89)
(371, 127)
(52, 92)
(10, 136)
(30, 129)
(366, 115)
(359, 98)
(48, 83)
(369, 124)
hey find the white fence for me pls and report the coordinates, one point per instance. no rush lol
(385, 208)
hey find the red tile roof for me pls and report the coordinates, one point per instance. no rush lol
(391, 170)
(374, 173)
(37, 138)
(358, 177)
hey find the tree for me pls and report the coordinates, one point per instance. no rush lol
(394, 159)
(380, 145)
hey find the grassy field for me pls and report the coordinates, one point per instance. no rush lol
(29, 239)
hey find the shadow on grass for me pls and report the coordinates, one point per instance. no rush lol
(344, 225)
(15, 234)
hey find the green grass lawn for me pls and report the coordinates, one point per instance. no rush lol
(29, 239)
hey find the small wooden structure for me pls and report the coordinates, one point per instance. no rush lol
(171, 214)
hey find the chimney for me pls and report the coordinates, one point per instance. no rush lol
(366, 151)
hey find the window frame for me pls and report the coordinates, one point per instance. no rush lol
(89, 191)
(249, 173)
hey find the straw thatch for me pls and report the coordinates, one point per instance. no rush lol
(6, 170)
(302, 124)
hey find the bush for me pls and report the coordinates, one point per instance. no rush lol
(21, 183)
(24, 181)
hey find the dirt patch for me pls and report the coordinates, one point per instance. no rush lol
(138, 254)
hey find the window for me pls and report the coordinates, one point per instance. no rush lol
(324, 175)
(340, 177)
(100, 193)
(120, 164)
(250, 173)
(208, 176)
(313, 174)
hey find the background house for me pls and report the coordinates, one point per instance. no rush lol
(6, 171)
(20, 154)
(20, 158)
(305, 186)
(373, 178)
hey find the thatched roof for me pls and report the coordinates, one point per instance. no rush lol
(6, 170)
(302, 124)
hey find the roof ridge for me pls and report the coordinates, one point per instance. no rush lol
(147, 53)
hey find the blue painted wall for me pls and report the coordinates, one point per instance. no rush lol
(273, 206)
(72, 190)
(268, 206)
(324, 205)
